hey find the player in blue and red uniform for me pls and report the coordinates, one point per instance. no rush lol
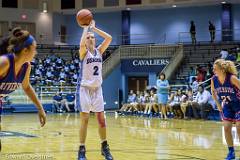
(225, 88)
(16, 53)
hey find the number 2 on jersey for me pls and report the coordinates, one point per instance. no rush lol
(95, 73)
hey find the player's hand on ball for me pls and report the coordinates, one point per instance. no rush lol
(92, 24)
(85, 27)
(42, 117)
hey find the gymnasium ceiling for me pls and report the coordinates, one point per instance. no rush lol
(150, 4)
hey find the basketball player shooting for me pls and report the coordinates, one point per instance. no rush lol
(89, 95)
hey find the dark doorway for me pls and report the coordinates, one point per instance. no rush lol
(137, 83)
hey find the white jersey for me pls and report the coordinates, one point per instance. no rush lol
(91, 70)
(89, 95)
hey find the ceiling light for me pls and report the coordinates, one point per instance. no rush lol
(44, 7)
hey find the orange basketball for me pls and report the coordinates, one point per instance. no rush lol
(84, 17)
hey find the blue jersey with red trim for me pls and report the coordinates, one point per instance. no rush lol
(11, 81)
(226, 90)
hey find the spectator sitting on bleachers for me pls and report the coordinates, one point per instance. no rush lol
(62, 76)
(145, 99)
(40, 64)
(49, 76)
(131, 99)
(224, 53)
(194, 86)
(142, 102)
(59, 63)
(174, 104)
(66, 68)
(133, 102)
(76, 62)
(58, 102)
(135, 106)
(70, 102)
(152, 103)
(231, 56)
(72, 66)
(38, 73)
(47, 62)
(54, 66)
(75, 78)
(186, 103)
(201, 104)
(201, 74)
(55, 82)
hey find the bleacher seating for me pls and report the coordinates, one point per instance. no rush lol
(201, 54)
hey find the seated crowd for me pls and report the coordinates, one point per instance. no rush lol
(54, 70)
(182, 104)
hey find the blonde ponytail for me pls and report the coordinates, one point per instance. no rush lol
(231, 68)
(226, 66)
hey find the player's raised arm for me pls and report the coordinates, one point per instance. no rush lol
(107, 37)
(82, 45)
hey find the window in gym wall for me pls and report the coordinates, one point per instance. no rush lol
(89, 3)
(130, 2)
(30, 4)
(67, 4)
(31, 27)
(10, 3)
(109, 3)
(3, 29)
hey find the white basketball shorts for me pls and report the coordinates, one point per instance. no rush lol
(90, 99)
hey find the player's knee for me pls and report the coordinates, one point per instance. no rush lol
(238, 125)
(84, 117)
(101, 120)
(227, 128)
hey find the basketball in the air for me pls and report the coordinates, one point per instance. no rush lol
(84, 17)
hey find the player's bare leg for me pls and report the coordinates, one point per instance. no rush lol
(229, 139)
(84, 117)
(103, 136)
